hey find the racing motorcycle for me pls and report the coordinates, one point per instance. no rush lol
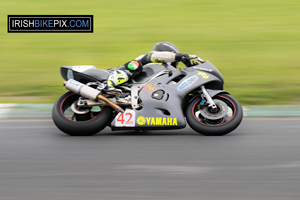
(161, 98)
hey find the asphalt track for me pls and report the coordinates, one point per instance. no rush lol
(258, 161)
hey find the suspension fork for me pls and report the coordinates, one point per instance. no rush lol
(208, 98)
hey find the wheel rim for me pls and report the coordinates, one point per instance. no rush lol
(67, 113)
(216, 122)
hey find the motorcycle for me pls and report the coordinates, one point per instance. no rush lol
(161, 98)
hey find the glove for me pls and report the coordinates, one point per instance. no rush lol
(181, 56)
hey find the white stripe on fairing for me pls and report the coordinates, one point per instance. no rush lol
(5, 109)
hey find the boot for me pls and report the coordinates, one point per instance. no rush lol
(116, 78)
(110, 88)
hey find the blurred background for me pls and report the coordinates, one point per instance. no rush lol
(254, 44)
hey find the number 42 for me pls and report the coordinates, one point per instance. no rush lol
(122, 120)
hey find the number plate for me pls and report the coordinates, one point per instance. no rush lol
(125, 119)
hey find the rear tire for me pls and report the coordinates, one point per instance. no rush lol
(79, 125)
(216, 127)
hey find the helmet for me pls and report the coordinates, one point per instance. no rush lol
(166, 46)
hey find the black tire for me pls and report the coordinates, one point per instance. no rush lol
(215, 127)
(84, 125)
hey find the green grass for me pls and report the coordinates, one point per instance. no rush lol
(255, 44)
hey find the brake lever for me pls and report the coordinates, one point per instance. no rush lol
(193, 57)
(196, 57)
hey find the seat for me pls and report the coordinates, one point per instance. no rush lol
(99, 74)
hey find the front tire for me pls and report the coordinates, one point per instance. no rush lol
(215, 126)
(74, 124)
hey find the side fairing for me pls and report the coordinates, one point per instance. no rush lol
(162, 99)
(161, 107)
(161, 110)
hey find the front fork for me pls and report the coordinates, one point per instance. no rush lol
(211, 103)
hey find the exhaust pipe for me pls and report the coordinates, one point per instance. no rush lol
(89, 92)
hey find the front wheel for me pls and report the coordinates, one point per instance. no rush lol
(215, 122)
(89, 122)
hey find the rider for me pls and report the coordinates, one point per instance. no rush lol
(162, 52)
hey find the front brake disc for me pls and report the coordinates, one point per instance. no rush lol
(214, 114)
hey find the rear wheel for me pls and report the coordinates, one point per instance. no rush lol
(215, 122)
(89, 122)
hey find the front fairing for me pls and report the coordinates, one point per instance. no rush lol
(208, 67)
(204, 74)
